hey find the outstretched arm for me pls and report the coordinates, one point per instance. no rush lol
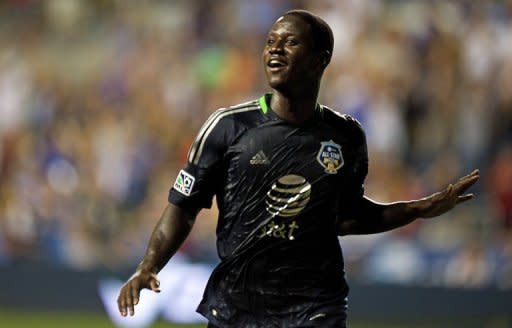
(373, 217)
(168, 235)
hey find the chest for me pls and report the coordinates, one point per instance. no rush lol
(284, 181)
(270, 152)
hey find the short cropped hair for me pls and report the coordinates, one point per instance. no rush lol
(320, 31)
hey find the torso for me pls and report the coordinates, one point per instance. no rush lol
(278, 199)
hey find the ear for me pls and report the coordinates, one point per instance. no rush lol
(325, 58)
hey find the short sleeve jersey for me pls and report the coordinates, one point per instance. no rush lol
(280, 189)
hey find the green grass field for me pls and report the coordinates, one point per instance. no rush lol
(17, 319)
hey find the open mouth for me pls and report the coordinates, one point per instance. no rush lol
(276, 63)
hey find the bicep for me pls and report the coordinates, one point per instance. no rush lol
(364, 217)
(196, 183)
(187, 215)
(355, 207)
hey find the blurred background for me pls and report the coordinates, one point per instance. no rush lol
(100, 100)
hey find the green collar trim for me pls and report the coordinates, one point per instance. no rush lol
(263, 104)
(264, 107)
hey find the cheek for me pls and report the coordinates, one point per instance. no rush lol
(304, 65)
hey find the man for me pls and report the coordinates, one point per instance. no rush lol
(288, 174)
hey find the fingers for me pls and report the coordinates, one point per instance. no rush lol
(154, 285)
(470, 177)
(444, 194)
(473, 173)
(133, 299)
(443, 201)
(464, 198)
(458, 189)
(121, 305)
(467, 181)
(123, 300)
(128, 298)
(130, 293)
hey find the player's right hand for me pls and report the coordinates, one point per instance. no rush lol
(443, 201)
(130, 292)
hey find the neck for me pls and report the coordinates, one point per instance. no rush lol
(295, 108)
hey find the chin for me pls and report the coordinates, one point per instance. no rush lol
(277, 83)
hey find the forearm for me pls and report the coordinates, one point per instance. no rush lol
(373, 217)
(169, 233)
(390, 216)
(366, 216)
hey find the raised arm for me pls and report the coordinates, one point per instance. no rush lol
(372, 217)
(168, 235)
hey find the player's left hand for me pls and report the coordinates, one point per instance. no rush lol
(443, 201)
(130, 292)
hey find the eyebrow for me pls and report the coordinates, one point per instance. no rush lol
(285, 33)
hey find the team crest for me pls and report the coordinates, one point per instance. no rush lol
(330, 156)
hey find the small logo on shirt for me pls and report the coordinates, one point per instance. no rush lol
(259, 159)
(330, 156)
(184, 183)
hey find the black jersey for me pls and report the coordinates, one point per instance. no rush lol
(279, 189)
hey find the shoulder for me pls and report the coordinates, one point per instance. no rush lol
(341, 121)
(221, 127)
(236, 112)
(227, 119)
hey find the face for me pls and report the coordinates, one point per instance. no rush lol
(289, 57)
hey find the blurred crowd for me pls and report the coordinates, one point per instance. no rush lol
(100, 100)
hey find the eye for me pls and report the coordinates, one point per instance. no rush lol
(292, 42)
(270, 42)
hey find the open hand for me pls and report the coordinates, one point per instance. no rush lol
(130, 292)
(443, 201)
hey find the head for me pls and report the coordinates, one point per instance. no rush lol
(298, 49)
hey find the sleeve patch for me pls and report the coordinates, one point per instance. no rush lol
(184, 183)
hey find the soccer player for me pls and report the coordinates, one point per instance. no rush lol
(288, 175)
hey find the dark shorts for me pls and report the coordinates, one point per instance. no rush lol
(326, 315)
(328, 323)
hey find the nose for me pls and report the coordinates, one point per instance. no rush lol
(276, 48)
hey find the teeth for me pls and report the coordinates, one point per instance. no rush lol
(275, 63)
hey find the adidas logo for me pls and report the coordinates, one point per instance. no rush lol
(259, 159)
